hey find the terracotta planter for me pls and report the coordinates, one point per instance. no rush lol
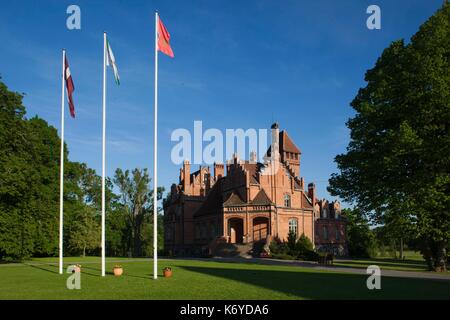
(167, 273)
(118, 271)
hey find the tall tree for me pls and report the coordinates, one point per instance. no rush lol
(137, 203)
(361, 241)
(81, 210)
(84, 231)
(398, 159)
(28, 181)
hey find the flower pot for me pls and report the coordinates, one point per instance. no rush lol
(167, 273)
(118, 271)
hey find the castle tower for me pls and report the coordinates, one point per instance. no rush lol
(290, 153)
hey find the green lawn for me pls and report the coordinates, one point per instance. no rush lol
(413, 262)
(199, 279)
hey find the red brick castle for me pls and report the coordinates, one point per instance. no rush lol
(252, 203)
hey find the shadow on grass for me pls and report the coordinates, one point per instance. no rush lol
(329, 285)
(55, 269)
(47, 268)
(381, 263)
(110, 273)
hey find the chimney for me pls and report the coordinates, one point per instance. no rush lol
(186, 176)
(207, 181)
(202, 176)
(218, 171)
(253, 157)
(235, 158)
(312, 192)
(275, 146)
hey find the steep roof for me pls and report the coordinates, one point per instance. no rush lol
(287, 144)
(261, 198)
(233, 199)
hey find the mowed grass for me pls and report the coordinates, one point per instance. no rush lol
(203, 279)
(413, 262)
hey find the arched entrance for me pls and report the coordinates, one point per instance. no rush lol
(235, 230)
(260, 228)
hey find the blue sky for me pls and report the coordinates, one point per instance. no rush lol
(238, 64)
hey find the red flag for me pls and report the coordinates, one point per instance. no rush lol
(163, 39)
(69, 87)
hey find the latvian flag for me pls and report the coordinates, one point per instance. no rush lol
(69, 87)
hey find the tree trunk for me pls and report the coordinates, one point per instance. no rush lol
(137, 240)
(435, 254)
(440, 259)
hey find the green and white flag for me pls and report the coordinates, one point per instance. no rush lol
(111, 62)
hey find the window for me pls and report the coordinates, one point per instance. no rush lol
(293, 227)
(338, 234)
(324, 213)
(287, 200)
(325, 233)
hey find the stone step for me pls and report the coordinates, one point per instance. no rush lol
(234, 250)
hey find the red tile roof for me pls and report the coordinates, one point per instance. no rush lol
(286, 144)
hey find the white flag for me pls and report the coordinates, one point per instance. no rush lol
(111, 61)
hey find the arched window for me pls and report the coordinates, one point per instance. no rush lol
(287, 200)
(293, 226)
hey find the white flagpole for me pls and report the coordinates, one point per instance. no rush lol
(61, 168)
(155, 160)
(103, 154)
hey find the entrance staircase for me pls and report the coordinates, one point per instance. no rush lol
(235, 250)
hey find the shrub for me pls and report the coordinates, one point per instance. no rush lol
(293, 248)
(277, 246)
(292, 241)
(311, 256)
(303, 245)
